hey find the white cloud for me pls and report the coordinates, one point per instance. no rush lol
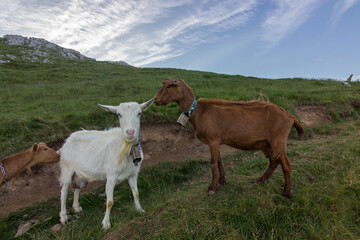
(139, 32)
(340, 9)
(286, 18)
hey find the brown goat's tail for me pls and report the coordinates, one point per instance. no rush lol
(299, 129)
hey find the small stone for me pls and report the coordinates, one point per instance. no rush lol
(23, 228)
(56, 227)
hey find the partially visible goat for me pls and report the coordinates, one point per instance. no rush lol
(89, 156)
(18, 163)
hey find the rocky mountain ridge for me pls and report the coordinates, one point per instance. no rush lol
(38, 50)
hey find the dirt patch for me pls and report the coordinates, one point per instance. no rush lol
(161, 143)
(312, 115)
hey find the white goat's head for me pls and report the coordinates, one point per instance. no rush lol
(129, 117)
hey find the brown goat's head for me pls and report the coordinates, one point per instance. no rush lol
(41, 153)
(171, 91)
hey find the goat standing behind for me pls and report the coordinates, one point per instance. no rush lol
(98, 155)
(252, 125)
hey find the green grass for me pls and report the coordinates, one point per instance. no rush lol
(324, 205)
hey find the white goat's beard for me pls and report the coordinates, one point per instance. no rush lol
(125, 149)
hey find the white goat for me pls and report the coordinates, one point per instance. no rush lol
(98, 155)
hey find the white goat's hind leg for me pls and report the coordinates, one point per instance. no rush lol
(63, 216)
(110, 184)
(76, 206)
(134, 189)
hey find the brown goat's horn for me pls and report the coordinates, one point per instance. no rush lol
(261, 98)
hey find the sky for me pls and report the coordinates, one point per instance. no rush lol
(261, 38)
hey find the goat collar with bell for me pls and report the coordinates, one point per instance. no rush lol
(191, 108)
(136, 151)
(185, 116)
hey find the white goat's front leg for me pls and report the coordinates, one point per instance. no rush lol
(63, 216)
(76, 206)
(134, 189)
(110, 184)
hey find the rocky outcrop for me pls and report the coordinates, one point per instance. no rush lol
(119, 62)
(42, 48)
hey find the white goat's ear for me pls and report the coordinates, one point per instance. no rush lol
(34, 147)
(109, 108)
(147, 104)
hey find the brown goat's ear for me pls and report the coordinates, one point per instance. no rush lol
(174, 82)
(34, 147)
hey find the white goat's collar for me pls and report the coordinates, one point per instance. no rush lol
(4, 175)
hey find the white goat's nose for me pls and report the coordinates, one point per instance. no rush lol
(130, 132)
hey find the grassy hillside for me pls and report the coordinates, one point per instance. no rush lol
(44, 102)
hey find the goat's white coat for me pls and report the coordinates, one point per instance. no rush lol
(94, 155)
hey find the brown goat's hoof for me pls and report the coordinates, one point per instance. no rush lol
(287, 194)
(212, 189)
(222, 180)
(260, 181)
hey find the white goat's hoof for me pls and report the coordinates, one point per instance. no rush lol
(106, 225)
(63, 219)
(77, 209)
(140, 210)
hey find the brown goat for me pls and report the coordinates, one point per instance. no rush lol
(251, 125)
(18, 163)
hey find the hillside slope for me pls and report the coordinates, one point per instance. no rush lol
(43, 101)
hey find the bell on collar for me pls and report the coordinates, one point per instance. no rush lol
(135, 153)
(183, 119)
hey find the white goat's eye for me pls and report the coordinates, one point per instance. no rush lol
(139, 114)
(119, 115)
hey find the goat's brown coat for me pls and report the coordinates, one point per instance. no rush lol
(251, 125)
(21, 162)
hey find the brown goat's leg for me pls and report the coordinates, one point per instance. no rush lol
(215, 156)
(265, 177)
(285, 164)
(222, 179)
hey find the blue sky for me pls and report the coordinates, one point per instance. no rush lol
(272, 39)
